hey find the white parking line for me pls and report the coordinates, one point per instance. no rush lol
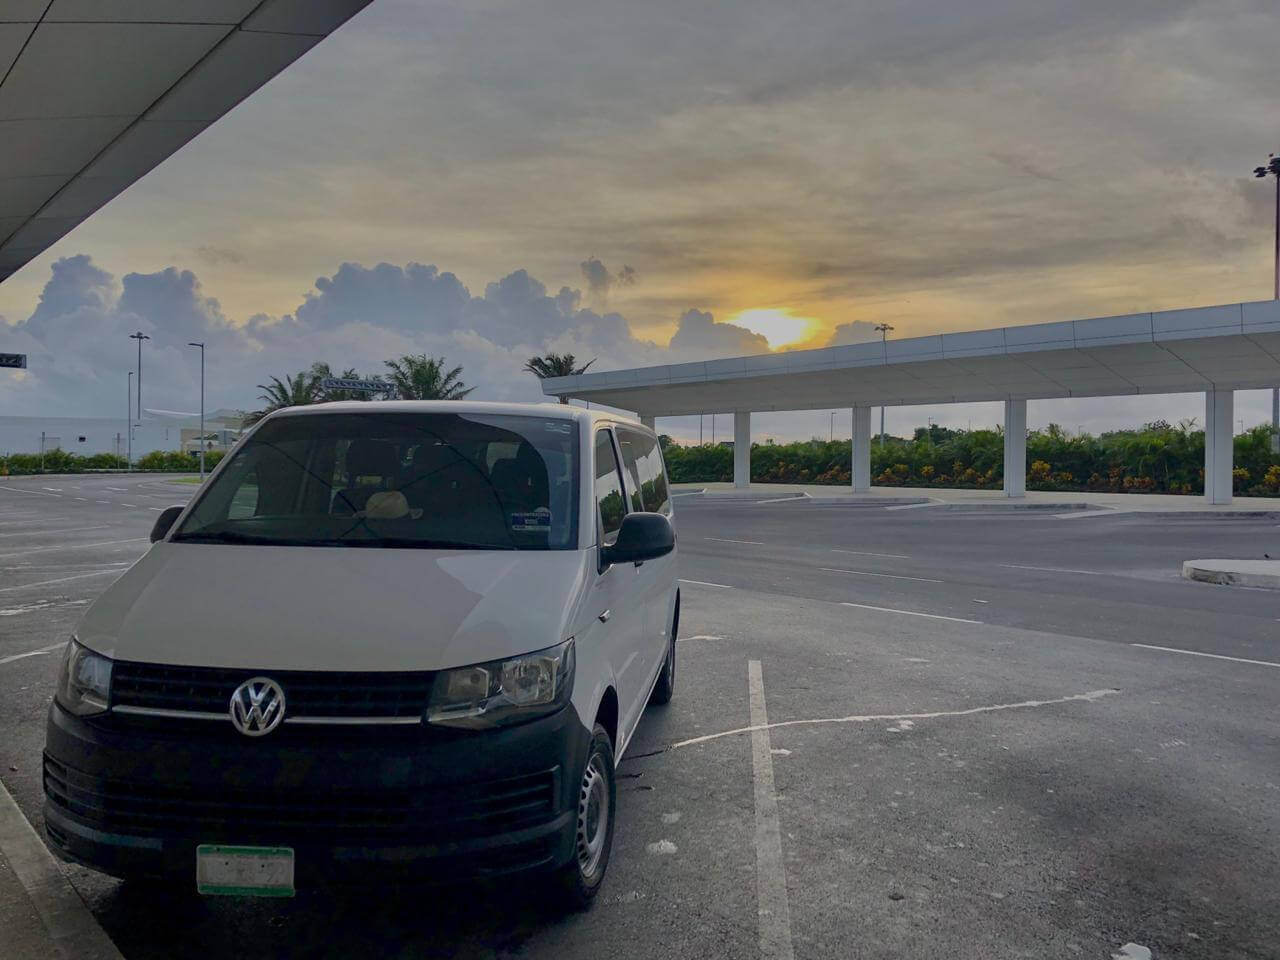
(773, 910)
(71, 928)
(909, 613)
(45, 583)
(1023, 566)
(128, 504)
(102, 501)
(1212, 656)
(33, 653)
(36, 533)
(1090, 697)
(700, 636)
(803, 496)
(887, 576)
(81, 499)
(14, 523)
(34, 493)
(704, 583)
(754, 543)
(117, 489)
(73, 546)
(864, 553)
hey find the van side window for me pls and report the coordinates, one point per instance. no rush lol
(629, 444)
(645, 471)
(608, 487)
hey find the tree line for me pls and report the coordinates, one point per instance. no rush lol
(1157, 458)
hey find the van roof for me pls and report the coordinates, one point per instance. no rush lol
(558, 411)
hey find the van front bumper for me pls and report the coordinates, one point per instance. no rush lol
(409, 803)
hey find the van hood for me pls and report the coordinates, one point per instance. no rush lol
(335, 608)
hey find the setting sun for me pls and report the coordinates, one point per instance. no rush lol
(778, 326)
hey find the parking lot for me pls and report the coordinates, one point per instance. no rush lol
(935, 732)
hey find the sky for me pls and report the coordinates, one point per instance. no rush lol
(674, 180)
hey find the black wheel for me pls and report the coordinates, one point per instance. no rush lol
(665, 688)
(582, 876)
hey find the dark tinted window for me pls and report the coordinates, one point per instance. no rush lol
(396, 479)
(609, 503)
(645, 473)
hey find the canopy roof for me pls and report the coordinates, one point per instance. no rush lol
(95, 93)
(1236, 346)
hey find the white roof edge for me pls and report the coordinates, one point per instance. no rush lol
(1089, 336)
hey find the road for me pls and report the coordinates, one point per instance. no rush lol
(966, 755)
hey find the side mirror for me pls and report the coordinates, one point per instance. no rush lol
(643, 536)
(163, 522)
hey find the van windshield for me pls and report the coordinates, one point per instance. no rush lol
(447, 480)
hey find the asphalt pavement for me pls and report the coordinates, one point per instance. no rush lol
(896, 733)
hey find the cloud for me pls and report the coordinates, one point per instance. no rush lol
(600, 280)
(78, 335)
(217, 256)
(698, 336)
(855, 331)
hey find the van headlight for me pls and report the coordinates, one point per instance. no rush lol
(84, 685)
(503, 691)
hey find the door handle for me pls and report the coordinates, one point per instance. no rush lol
(604, 617)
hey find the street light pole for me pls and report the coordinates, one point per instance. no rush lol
(884, 329)
(831, 434)
(201, 346)
(139, 336)
(128, 421)
(1272, 169)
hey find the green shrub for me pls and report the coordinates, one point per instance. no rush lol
(1158, 458)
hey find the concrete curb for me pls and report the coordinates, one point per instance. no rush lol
(1236, 573)
(70, 929)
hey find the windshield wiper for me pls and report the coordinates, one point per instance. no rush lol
(413, 543)
(230, 536)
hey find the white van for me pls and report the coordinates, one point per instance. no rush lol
(386, 640)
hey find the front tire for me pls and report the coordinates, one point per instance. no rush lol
(582, 876)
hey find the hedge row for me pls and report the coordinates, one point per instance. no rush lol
(1159, 458)
(60, 461)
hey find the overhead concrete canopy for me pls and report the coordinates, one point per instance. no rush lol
(95, 93)
(1230, 347)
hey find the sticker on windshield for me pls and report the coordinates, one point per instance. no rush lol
(534, 521)
(557, 426)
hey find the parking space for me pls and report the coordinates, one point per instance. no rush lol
(966, 754)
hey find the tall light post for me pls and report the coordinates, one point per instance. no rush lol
(831, 434)
(884, 329)
(128, 420)
(1272, 169)
(139, 336)
(201, 346)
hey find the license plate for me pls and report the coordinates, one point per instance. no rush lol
(244, 871)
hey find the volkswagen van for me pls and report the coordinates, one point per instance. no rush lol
(384, 641)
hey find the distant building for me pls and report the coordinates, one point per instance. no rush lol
(159, 430)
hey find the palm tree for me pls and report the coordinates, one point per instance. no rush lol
(422, 377)
(293, 391)
(556, 365)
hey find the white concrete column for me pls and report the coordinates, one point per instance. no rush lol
(741, 448)
(1015, 448)
(648, 422)
(861, 467)
(1219, 409)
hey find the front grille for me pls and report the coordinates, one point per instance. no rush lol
(307, 693)
(426, 814)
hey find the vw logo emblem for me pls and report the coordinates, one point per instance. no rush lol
(257, 706)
